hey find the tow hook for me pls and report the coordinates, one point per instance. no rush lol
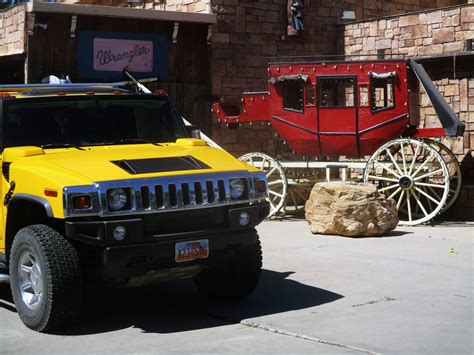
(9, 194)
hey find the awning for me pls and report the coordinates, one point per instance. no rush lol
(388, 75)
(283, 78)
(121, 12)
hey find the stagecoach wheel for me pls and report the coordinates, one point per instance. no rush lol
(412, 173)
(454, 170)
(277, 184)
(298, 194)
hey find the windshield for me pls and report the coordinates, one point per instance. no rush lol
(89, 121)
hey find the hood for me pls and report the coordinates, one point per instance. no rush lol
(123, 162)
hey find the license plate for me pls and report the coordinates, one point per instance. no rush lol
(189, 251)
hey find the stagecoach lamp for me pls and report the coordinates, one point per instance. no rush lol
(244, 219)
(237, 188)
(120, 233)
(117, 199)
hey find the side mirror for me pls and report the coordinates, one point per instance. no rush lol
(193, 131)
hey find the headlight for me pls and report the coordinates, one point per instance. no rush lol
(117, 199)
(237, 188)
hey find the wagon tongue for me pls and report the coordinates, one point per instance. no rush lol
(451, 123)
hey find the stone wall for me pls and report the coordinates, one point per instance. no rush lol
(12, 30)
(438, 32)
(418, 34)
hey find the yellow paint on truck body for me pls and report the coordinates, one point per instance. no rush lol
(35, 169)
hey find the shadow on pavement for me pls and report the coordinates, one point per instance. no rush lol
(176, 306)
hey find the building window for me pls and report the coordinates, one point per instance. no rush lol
(382, 94)
(364, 95)
(336, 92)
(310, 96)
(293, 95)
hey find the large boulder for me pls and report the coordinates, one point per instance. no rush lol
(349, 209)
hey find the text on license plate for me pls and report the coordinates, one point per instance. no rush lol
(192, 250)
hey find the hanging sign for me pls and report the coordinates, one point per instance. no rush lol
(104, 55)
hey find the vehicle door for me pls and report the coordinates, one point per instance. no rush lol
(337, 114)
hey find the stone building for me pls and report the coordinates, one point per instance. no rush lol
(445, 35)
(236, 42)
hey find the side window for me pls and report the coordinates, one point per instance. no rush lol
(381, 94)
(293, 95)
(310, 96)
(364, 95)
(335, 92)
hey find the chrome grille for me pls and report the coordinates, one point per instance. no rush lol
(185, 194)
(167, 193)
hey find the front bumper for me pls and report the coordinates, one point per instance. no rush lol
(137, 265)
(148, 251)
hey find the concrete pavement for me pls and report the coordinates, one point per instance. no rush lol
(408, 292)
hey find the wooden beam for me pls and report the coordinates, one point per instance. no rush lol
(121, 12)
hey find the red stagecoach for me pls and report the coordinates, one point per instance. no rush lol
(326, 108)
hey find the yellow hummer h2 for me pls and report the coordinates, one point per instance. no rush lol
(102, 184)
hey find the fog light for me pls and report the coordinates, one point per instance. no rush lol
(244, 219)
(120, 233)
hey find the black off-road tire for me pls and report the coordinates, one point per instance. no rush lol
(232, 281)
(60, 273)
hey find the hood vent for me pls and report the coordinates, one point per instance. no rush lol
(160, 165)
(6, 171)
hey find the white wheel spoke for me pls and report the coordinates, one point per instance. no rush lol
(276, 182)
(395, 193)
(394, 161)
(403, 158)
(389, 187)
(434, 192)
(275, 193)
(373, 177)
(430, 185)
(388, 169)
(426, 195)
(415, 155)
(271, 171)
(409, 206)
(420, 204)
(431, 173)
(399, 202)
(421, 166)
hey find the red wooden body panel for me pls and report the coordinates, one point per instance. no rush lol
(348, 108)
(254, 108)
(416, 132)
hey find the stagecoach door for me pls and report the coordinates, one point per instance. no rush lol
(337, 115)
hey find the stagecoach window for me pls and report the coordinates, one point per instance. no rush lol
(382, 93)
(310, 96)
(293, 95)
(336, 92)
(364, 95)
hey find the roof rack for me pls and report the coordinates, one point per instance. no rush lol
(336, 58)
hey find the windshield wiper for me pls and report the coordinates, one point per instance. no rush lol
(135, 140)
(60, 145)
